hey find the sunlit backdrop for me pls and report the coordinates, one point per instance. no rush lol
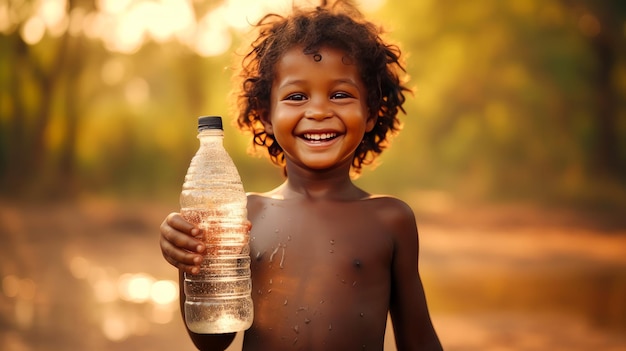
(512, 154)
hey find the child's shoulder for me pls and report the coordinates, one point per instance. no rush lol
(396, 216)
(267, 196)
(255, 198)
(258, 200)
(388, 200)
(391, 207)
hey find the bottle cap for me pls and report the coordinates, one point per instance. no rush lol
(210, 122)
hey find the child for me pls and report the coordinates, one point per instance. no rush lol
(321, 90)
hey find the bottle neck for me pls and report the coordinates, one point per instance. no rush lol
(210, 137)
(211, 134)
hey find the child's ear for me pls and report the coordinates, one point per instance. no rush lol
(371, 123)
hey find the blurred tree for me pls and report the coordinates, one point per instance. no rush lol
(603, 24)
(44, 80)
(515, 98)
(53, 88)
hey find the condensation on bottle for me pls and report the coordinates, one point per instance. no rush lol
(217, 300)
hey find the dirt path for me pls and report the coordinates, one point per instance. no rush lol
(81, 277)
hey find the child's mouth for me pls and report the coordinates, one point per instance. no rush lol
(319, 137)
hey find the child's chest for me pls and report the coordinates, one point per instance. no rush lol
(315, 266)
(333, 237)
(281, 230)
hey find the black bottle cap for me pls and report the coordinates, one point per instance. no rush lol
(210, 122)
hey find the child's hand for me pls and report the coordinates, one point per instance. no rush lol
(180, 245)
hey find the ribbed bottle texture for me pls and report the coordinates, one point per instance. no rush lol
(217, 300)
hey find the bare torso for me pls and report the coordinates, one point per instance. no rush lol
(321, 273)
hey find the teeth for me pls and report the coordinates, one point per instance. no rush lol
(318, 137)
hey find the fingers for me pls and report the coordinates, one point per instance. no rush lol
(176, 221)
(182, 234)
(184, 260)
(180, 245)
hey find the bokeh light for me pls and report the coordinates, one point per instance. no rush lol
(33, 30)
(10, 286)
(125, 25)
(135, 287)
(114, 326)
(164, 292)
(79, 267)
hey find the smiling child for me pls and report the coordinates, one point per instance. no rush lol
(321, 90)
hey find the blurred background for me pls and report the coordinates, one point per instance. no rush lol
(513, 156)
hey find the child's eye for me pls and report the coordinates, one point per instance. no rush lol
(340, 95)
(296, 97)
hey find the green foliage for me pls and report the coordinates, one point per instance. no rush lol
(507, 98)
(511, 99)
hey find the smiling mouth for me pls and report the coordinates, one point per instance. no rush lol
(319, 137)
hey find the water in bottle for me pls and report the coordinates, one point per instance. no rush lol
(217, 300)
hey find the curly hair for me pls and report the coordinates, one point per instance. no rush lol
(339, 25)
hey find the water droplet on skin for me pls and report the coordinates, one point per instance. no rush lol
(295, 340)
(260, 292)
(258, 255)
(270, 281)
(321, 302)
(357, 263)
(276, 231)
(307, 321)
(343, 281)
(269, 291)
(296, 328)
(362, 314)
(288, 237)
(285, 303)
(330, 327)
(332, 242)
(274, 253)
(354, 283)
(282, 260)
(331, 251)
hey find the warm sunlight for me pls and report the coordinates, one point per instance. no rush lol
(125, 25)
(33, 30)
(130, 301)
(52, 13)
(511, 155)
(164, 292)
(136, 287)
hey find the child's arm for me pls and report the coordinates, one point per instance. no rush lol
(411, 321)
(182, 250)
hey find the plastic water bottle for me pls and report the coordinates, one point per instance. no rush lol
(217, 300)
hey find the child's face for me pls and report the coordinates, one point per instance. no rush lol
(318, 108)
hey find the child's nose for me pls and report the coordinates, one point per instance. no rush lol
(317, 114)
(318, 110)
